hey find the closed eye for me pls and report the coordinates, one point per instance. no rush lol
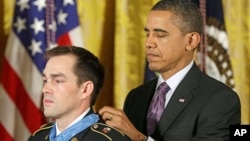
(44, 81)
(59, 81)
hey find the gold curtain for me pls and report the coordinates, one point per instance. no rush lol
(113, 30)
(97, 22)
(237, 19)
(129, 59)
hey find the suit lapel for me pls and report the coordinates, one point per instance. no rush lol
(183, 94)
(148, 91)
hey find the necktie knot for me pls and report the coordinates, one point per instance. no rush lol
(162, 89)
(156, 107)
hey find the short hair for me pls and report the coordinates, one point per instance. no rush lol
(186, 15)
(86, 68)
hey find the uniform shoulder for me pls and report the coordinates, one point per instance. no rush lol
(109, 132)
(43, 127)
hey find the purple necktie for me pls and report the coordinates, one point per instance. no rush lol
(156, 107)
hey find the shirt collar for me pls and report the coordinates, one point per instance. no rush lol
(76, 120)
(175, 80)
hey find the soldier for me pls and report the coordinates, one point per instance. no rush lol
(72, 78)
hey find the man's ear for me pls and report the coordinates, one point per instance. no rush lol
(192, 40)
(86, 89)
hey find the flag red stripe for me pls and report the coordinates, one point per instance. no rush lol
(64, 40)
(20, 97)
(4, 134)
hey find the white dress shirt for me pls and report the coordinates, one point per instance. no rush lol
(76, 120)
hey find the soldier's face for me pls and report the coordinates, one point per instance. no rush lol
(60, 90)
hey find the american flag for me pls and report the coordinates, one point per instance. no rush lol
(37, 25)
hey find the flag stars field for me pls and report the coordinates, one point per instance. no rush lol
(52, 26)
(20, 24)
(35, 47)
(66, 2)
(62, 17)
(38, 26)
(40, 4)
(23, 4)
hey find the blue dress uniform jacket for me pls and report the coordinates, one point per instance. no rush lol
(96, 132)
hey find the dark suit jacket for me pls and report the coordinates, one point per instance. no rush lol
(97, 132)
(209, 108)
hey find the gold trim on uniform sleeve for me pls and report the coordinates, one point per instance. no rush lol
(94, 130)
(43, 127)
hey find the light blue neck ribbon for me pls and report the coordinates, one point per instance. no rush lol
(76, 128)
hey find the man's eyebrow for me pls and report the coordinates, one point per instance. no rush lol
(54, 75)
(160, 30)
(156, 30)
